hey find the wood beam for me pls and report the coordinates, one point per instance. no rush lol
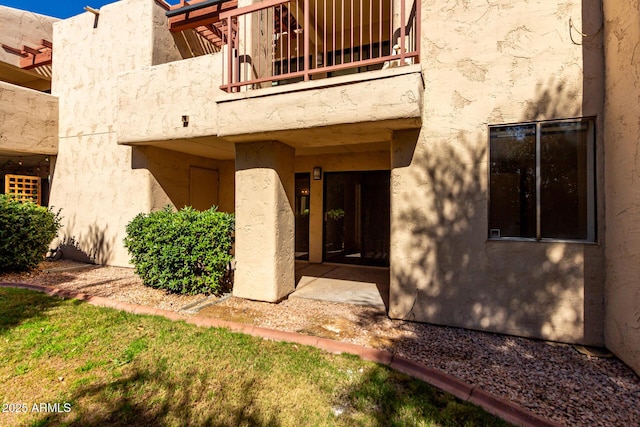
(197, 18)
(33, 61)
(30, 50)
(14, 50)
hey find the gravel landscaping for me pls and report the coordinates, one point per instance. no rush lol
(553, 380)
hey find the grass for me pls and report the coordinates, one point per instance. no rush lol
(96, 366)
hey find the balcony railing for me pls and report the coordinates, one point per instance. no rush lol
(284, 41)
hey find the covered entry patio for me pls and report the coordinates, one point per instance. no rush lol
(342, 283)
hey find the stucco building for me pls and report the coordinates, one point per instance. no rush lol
(486, 154)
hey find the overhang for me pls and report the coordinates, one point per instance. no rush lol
(355, 109)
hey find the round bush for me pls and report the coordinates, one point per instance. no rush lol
(26, 230)
(186, 252)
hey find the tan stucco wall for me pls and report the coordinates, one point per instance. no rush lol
(28, 121)
(622, 139)
(264, 248)
(19, 28)
(490, 64)
(170, 177)
(95, 182)
(152, 101)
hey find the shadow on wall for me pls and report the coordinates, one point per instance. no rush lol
(455, 276)
(169, 185)
(92, 247)
(553, 100)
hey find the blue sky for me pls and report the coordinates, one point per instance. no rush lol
(57, 8)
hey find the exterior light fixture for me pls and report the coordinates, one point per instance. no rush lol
(317, 173)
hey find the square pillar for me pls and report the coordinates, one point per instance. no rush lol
(265, 224)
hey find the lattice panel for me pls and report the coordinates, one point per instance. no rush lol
(23, 187)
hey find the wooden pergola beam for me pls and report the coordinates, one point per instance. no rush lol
(13, 50)
(33, 57)
(201, 17)
(33, 61)
(30, 50)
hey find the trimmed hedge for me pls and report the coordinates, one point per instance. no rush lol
(26, 230)
(185, 252)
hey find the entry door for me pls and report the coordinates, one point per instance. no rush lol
(357, 217)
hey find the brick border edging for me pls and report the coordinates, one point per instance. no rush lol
(495, 405)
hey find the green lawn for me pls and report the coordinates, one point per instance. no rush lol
(98, 366)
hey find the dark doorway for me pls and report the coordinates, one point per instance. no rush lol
(302, 215)
(357, 217)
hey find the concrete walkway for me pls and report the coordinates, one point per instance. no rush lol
(497, 406)
(343, 283)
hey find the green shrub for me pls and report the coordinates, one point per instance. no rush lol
(26, 230)
(185, 252)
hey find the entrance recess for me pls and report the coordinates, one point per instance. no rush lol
(357, 217)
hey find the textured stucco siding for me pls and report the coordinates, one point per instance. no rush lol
(20, 28)
(382, 100)
(95, 181)
(264, 233)
(152, 101)
(622, 136)
(487, 64)
(170, 177)
(28, 121)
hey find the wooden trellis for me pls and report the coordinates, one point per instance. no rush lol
(23, 187)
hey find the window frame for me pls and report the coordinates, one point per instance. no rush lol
(591, 181)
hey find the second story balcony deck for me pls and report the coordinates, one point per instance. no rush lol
(297, 65)
(278, 42)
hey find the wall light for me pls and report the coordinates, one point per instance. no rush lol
(317, 173)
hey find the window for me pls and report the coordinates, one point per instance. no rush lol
(542, 180)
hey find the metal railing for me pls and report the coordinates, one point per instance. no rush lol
(284, 41)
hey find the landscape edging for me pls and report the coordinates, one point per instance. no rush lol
(495, 405)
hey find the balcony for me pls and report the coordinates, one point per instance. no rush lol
(353, 49)
(314, 88)
(277, 42)
(314, 114)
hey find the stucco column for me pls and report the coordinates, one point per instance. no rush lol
(265, 228)
(403, 283)
(622, 198)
